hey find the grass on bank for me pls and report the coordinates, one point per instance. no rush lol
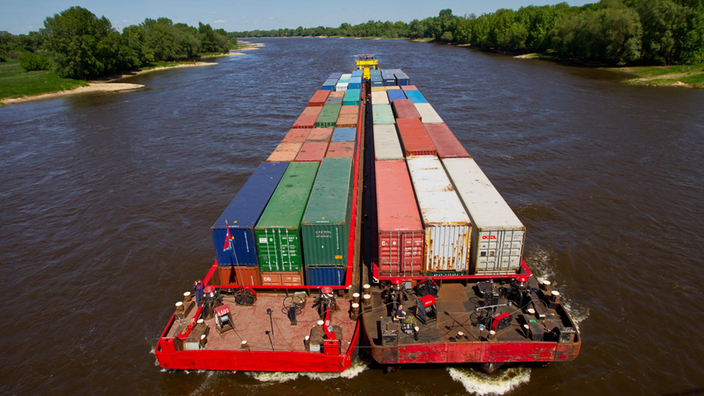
(15, 82)
(679, 75)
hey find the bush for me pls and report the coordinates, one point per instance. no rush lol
(33, 62)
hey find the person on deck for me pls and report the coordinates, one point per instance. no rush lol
(198, 288)
(401, 316)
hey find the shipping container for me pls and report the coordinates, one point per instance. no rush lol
(407, 88)
(335, 76)
(243, 213)
(427, 114)
(416, 96)
(285, 152)
(333, 100)
(282, 278)
(355, 83)
(395, 94)
(376, 81)
(325, 276)
(404, 108)
(307, 119)
(445, 141)
(312, 152)
(296, 136)
(340, 149)
(378, 89)
(320, 135)
(357, 73)
(337, 95)
(329, 85)
(341, 87)
(238, 276)
(352, 97)
(447, 225)
(328, 116)
(386, 143)
(414, 138)
(392, 87)
(278, 232)
(497, 233)
(399, 228)
(344, 135)
(325, 225)
(380, 98)
(349, 109)
(382, 114)
(402, 79)
(389, 79)
(347, 121)
(319, 98)
(345, 77)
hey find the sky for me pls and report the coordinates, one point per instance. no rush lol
(21, 17)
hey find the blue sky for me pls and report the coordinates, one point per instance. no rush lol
(19, 17)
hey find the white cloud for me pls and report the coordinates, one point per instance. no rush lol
(125, 21)
(219, 21)
(212, 12)
(243, 17)
(30, 26)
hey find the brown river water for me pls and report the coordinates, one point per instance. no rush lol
(106, 203)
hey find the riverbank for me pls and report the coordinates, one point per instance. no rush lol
(680, 76)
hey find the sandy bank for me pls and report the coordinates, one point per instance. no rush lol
(93, 87)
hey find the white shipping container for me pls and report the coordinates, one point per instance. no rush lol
(380, 98)
(346, 76)
(386, 144)
(447, 225)
(498, 235)
(428, 115)
(341, 87)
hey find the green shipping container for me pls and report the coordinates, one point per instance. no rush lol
(328, 116)
(278, 233)
(325, 226)
(351, 97)
(382, 114)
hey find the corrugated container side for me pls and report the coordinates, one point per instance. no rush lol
(498, 235)
(379, 98)
(386, 143)
(399, 227)
(402, 79)
(320, 135)
(447, 225)
(341, 87)
(427, 114)
(285, 152)
(239, 276)
(242, 215)
(404, 108)
(407, 88)
(445, 141)
(340, 149)
(325, 224)
(319, 98)
(277, 233)
(282, 278)
(325, 276)
(395, 94)
(296, 136)
(329, 85)
(312, 152)
(416, 96)
(344, 135)
(414, 138)
(382, 114)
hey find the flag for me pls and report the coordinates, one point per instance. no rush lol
(228, 239)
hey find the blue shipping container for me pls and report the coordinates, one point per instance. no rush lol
(415, 97)
(243, 213)
(357, 73)
(395, 94)
(344, 135)
(325, 276)
(375, 72)
(335, 76)
(402, 79)
(355, 83)
(389, 81)
(329, 85)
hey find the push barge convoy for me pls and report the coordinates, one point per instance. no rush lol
(369, 224)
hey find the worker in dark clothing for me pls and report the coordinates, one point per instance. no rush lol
(400, 314)
(198, 288)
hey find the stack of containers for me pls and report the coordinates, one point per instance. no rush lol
(355, 83)
(382, 114)
(286, 151)
(415, 96)
(349, 115)
(404, 108)
(388, 79)
(237, 258)
(296, 136)
(352, 97)
(375, 78)
(414, 138)
(277, 233)
(427, 113)
(379, 98)
(319, 98)
(342, 143)
(402, 78)
(325, 225)
(399, 228)
(329, 85)
(497, 234)
(328, 116)
(445, 141)
(447, 225)
(335, 98)
(357, 73)
(386, 143)
(312, 151)
(395, 94)
(307, 119)
(343, 82)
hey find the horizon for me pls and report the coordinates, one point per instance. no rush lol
(23, 18)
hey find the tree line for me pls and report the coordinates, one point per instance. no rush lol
(618, 32)
(78, 44)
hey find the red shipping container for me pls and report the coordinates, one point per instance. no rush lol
(337, 94)
(312, 152)
(399, 227)
(349, 109)
(307, 118)
(282, 279)
(320, 134)
(404, 108)
(296, 136)
(239, 276)
(409, 88)
(414, 138)
(340, 149)
(346, 121)
(312, 110)
(445, 141)
(319, 98)
(285, 152)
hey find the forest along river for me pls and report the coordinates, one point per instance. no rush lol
(107, 202)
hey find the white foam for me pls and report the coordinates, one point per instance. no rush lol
(478, 383)
(357, 367)
(541, 263)
(578, 313)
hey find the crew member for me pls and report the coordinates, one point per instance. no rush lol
(198, 288)
(400, 314)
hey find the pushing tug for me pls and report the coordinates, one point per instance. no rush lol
(369, 219)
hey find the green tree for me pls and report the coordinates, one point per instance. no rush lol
(33, 62)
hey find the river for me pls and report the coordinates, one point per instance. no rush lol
(107, 201)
